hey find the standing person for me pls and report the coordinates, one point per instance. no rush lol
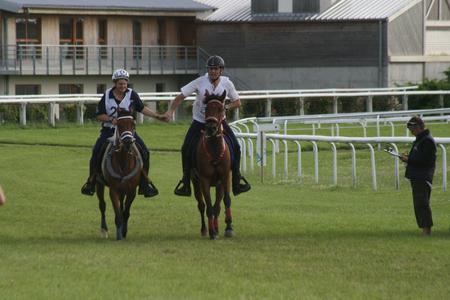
(2, 196)
(420, 165)
(212, 83)
(119, 97)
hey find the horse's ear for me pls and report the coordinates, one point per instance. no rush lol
(223, 96)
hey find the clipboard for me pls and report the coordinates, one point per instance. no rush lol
(391, 152)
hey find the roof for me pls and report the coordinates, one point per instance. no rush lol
(147, 5)
(343, 10)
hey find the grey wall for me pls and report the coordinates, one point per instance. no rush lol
(406, 33)
(308, 77)
(292, 44)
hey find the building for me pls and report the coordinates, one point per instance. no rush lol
(328, 43)
(61, 47)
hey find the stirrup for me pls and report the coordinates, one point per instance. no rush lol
(88, 189)
(184, 190)
(239, 188)
(150, 190)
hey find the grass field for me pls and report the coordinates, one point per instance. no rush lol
(292, 241)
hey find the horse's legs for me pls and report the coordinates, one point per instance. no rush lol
(102, 207)
(219, 197)
(115, 200)
(227, 202)
(205, 187)
(201, 206)
(228, 218)
(126, 213)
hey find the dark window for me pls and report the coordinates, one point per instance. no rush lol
(70, 88)
(28, 89)
(71, 35)
(265, 6)
(137, 39)
(101, 88)
(103, 37)
(28, 37)
(161, 36)
(306, 6)
(160, 87)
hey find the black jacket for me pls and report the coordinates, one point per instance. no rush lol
(422, 158)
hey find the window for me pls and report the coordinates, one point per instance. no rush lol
(28, 89)
(137, 40)
(264, 6)
(306, 6)
(160, 87)
(71, 33)
(101, 88)
(70, 89)
(103, 37)
(28, 37)
(161, 36)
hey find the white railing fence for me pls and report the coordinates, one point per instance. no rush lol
(250, 144)
(80, 100)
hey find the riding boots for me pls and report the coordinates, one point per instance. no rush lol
(185, 188)
(147, 188)
(89, 187)
(239, 187)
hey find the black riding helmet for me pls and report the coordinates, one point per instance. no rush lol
(215, 61)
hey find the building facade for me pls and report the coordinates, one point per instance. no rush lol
(329, 43)
(57, 47)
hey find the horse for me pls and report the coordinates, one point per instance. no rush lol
(122, 167)
(212, 168)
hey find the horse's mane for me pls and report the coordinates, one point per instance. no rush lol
(209, 97)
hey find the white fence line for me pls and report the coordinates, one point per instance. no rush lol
(246, 141)
(81, 99)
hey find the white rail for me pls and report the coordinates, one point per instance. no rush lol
(81, 99)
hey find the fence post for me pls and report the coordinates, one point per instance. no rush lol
(369, 104)
(80, 113)
(23, 114)
(441, 101)
(268, 107)
(301, 103)
(51, 113)
(405, 102)
(335, 105)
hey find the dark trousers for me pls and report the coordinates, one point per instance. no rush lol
(95, 163)
(192, 138)
(421, 199)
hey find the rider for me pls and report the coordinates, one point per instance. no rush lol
(214, 83)
(119, 97)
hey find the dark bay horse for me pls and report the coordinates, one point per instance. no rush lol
(121, 170)
(212, 168)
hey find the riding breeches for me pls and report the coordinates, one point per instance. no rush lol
(192, 139)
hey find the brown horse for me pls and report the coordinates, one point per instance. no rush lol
(122, 170)
(212, 168)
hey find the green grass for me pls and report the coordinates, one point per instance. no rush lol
(291, 240)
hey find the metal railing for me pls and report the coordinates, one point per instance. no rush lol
(98, 59)
(81, 99)
(256, 142)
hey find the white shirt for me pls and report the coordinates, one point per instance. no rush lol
(203, 84)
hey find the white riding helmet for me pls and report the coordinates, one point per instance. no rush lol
(120, 74)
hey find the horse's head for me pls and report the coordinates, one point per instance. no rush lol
(214, 113)
(125, 129)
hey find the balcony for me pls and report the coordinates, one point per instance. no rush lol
(98, 60)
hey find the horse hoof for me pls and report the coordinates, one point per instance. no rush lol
(104, 233)
(228, 233)
(203, 232)
(212, 237)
